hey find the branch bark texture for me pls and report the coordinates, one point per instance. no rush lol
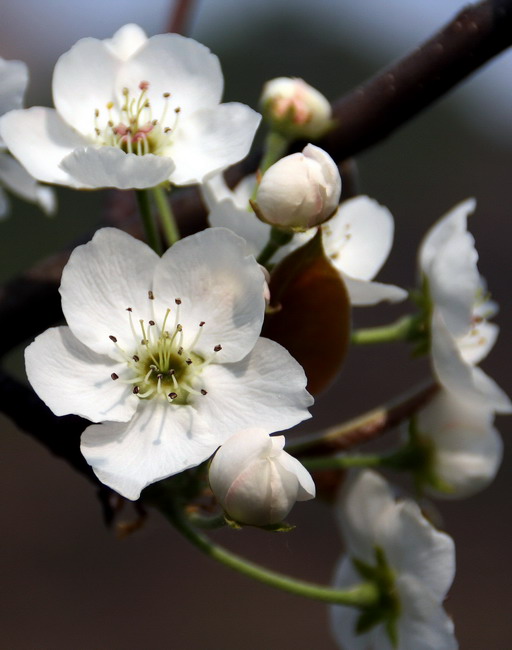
(375, 109)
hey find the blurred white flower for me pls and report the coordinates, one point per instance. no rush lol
(256, 481)
(299, 191)
(461, 449)
(295, 108)
(461, 336)
(13, 177)
(357, 239)
(166, 353)
(132, 112)
(411, 563)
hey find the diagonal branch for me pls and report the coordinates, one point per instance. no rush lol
(374, 110)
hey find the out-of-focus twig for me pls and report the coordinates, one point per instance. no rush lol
(365, 427)
(181, 14)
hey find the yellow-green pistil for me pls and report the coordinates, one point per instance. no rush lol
(162, 365)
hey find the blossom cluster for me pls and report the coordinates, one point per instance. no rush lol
(167, 356)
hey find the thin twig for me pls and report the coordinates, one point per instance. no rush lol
(365, 427)
(180, 18)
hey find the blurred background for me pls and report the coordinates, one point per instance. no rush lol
(67, 581)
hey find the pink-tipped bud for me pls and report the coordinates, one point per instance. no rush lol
(295, 108)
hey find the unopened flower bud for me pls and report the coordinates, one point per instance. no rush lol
(256, 481)
(299, 191)
(295, 109)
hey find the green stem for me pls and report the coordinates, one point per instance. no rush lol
(169, 226)
(275, 147)
(364, 595)
(277, 239)
(342, 462)
(207, 522)
(401, 330)
(147, 219)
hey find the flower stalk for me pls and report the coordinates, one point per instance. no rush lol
(167, 219)
(404, 329)
(363, 596)
(277, 239)
(148, 222)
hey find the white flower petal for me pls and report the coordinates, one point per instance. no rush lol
(358, 237)
(244, 446)
(161, 440)
(210, 140)
(40, 139)
(453, 281)
(218, 284)
(174, 64)
(363, 292)
(101, 280)
(414, 547)
(83, 82)
(18, 181)
(14, 75)
(306, 487)
(423, 623)
(126, 41)
(468, 449)
(477, 343)
(266, 389)
(452, 223)
(214, 190)
(71, 378)
(364, 499)
(344, 619)
(112, 167)
(242, 222)
(467, 382)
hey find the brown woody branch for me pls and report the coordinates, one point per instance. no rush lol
(364, 428)
(374, 110)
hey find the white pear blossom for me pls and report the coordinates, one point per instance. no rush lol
(132, 112)
(357, 239)
(299, 191)
(461, 447)
(295, 108)
(256, 481)
(13, 177)
(461, 336)
(411, 562)
(165, 353)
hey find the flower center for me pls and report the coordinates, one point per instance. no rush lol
(132, 127)
(160, 364)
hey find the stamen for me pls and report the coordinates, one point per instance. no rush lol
(217, 348)
(204, 392)
(114, 376)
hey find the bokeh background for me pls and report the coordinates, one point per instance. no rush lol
(67, 582)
